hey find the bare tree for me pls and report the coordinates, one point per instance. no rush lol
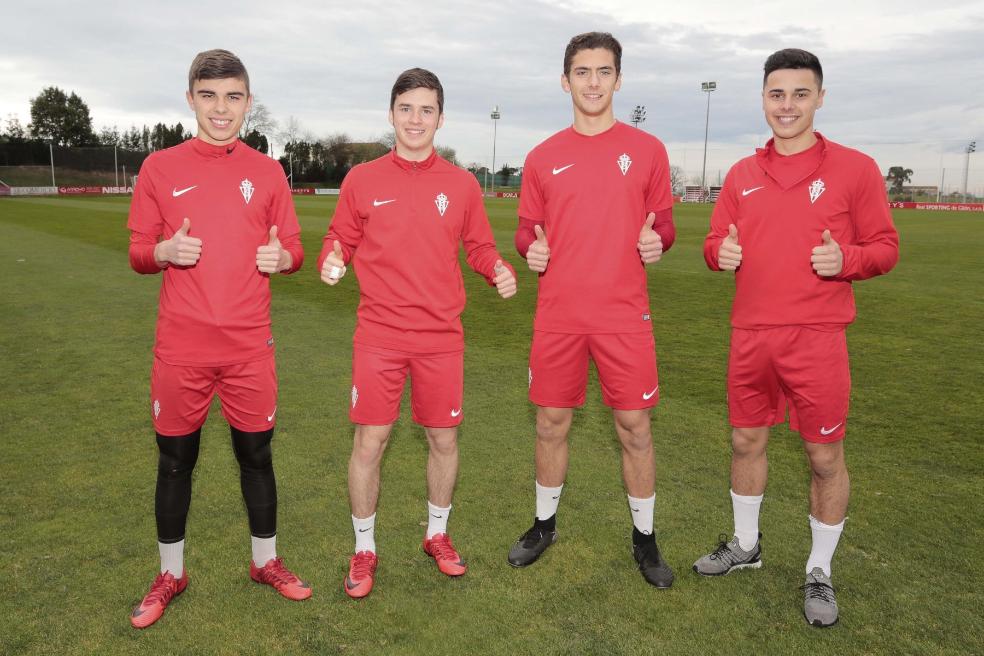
(677, 179)
(448, 153)
(291, 131)
(258, 118)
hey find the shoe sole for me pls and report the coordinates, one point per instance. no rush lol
(818, 624)
(757, 564)
(522, 565)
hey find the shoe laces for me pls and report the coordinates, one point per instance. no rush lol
(275, 572)
(162, 589)
(441, 547)
(819, 590)
(724, 550)
(531, 537)
(362, 565)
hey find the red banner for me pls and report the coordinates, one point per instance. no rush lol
(80, 190)
(939, 207)
(302, 191)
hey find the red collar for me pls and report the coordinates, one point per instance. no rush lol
(206, 149)
(409, 165)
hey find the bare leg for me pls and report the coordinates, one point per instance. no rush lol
(442, 464)
(368, 446)
(552, 425)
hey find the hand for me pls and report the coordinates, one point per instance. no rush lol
(180, 249)
(334, 266)
(271, 258)
(650, 243)
(538, 254)
(729, 255)
(504, 280)
(828, 258)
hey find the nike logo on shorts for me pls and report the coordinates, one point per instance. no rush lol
(175, 192)
(272, 414)
(377, 203)
(455, 413)
(828, 431)
(562, 169)
(647, 396)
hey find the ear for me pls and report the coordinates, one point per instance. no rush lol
(440, 121)
(565, 84)
(391, 117)
(820, 96)
(249, 102)
(191, 101)
(618, 82)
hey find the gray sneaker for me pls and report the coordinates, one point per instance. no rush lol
(820, 607)
(729, 556)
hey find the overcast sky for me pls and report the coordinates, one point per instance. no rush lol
(904, 83)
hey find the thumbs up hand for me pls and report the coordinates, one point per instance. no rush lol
(650, 243)
(827, 258)
(271, 258)
(538, 254)
(504, 280)
(729, 255)
(334, 265)
(180, 249)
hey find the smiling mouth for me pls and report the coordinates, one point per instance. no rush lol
(220, 122)
(786, 120)
(593, 96)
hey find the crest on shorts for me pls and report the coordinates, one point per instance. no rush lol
(531, 376)
(157, 408)
(817, 187)
(355, 395)
(624, 162)
(246, 187)
(442, 203)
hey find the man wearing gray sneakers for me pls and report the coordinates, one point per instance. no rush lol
(797, 222)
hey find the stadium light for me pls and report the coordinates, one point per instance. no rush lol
(971, 147)
(638, 115)
(51, 158)
(706, 87)
(495, 120)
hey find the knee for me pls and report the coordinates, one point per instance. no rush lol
(177, 455)
(827, 460)
(253, 449)
(749, 441)
(552, 425)
(369, 445)
(442, 441)
(634, 431)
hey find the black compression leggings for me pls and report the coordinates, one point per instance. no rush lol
(178, 456)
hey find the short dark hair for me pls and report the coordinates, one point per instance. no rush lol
(417, 78)
(793, 58)
(216, 65)
(590, 41)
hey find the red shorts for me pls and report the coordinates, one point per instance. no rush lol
(180, 396)
(805, 367)
(626, 364)
(378, 377)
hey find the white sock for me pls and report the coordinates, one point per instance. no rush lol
(547, 500)
(172, 557)
(437, 519)
(746, 509)
(365, 530)
(264, 550)
(642, 513)
(825, 539)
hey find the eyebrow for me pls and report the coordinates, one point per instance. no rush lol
(213, 92)
(606, 67)
(783, 90)
(409, 106)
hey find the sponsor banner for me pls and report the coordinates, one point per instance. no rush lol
(939, 207)
(502, 194)
(33, 191)
(302, 191)
(4, 191)
(117, 190)
(327, 192)
(80, 190)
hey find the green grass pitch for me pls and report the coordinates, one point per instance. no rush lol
(78, 464)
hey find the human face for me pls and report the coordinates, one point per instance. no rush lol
(592, 81)
(790, 99)
(415, 118)
(220, 107)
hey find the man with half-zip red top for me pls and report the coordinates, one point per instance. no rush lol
(401, 219)
(797, 222)
(215, 218)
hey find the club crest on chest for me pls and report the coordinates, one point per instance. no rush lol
(246, 188)
(442, 203)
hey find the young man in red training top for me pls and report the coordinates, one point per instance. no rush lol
(401, 218)
(595, 208)
(217, 218)
(797, 222)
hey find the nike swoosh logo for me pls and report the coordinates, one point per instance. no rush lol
(437, 516)
(455, 413)
(350, 584)
(377, 203)
(646, 397)
(828, 431)
(270, 418)
(635, 510)
(363, 530)
(745, 192)
(175, 193)
(562, 169)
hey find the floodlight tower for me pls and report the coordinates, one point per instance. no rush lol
(495, 120)
(638, 115)
(706, 87)
(971, 147)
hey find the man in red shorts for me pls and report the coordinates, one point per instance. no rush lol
(401, 219)
(595, 208)
(797, 222)
(217, 218)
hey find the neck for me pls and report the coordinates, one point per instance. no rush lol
(797, 144)
(592, 125)
(415, 154)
